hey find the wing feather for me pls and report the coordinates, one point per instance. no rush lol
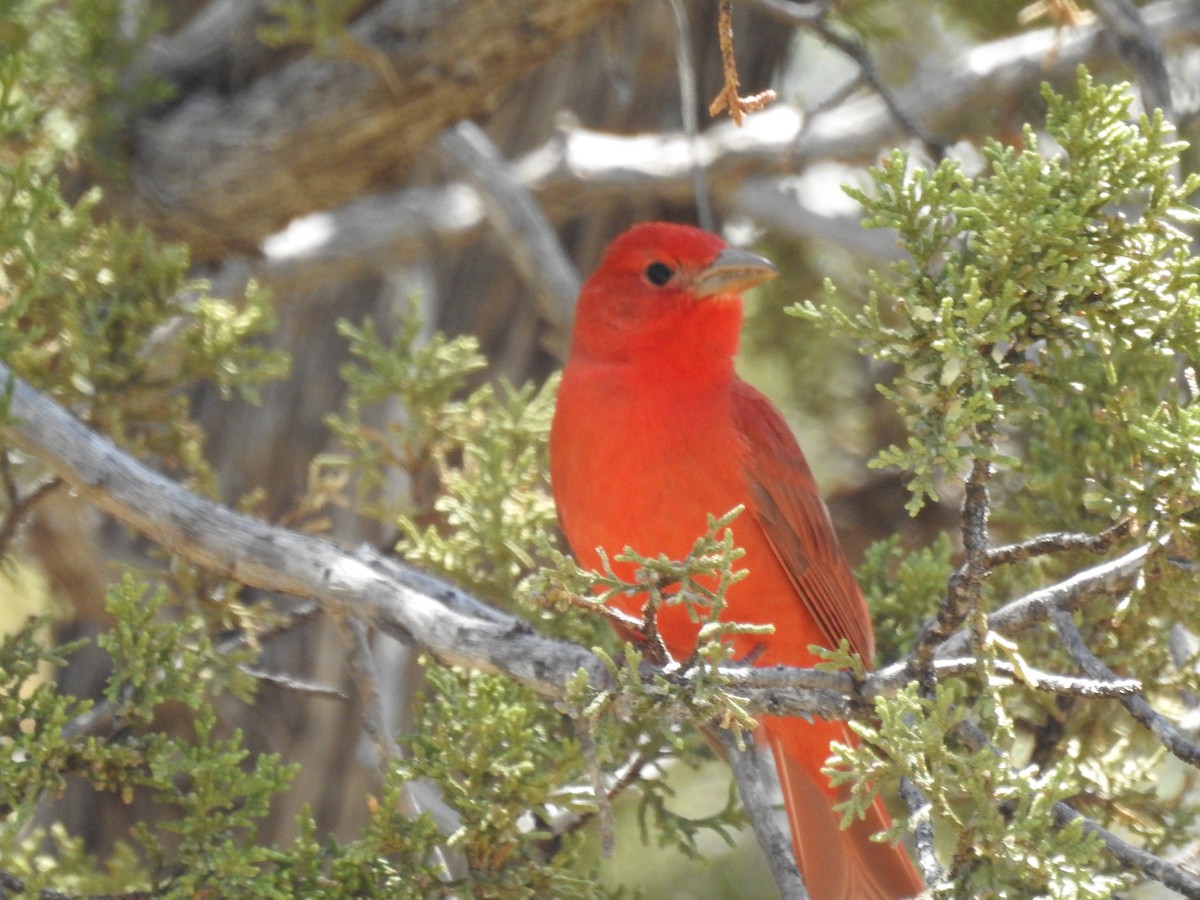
(789, 509)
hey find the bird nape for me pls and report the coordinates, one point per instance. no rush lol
(653, 432)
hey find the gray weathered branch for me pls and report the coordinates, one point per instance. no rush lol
(400, 601)
(754, 773)
(1167, 732)
(518, 223)
(224, 170)
(413, 606)
(452, 625)
(582, 169)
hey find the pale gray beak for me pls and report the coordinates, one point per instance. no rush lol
(732, 272)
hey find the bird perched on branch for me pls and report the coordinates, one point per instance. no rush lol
(653, 432)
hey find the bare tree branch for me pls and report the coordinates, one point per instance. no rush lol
(963, 591)
(19, 506)
(360, 660)
(918, 812)
(402, 602)
(621, 780)
(1165, 730)
(588, 169)
(689, 104)
(224, 171)
(1110, 578)
(815, 18)
(1058, 542)
(1141, 49)
(754, 774)
(519, 224)
(294, 684)
(1167, 873)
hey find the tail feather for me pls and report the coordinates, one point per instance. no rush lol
(836, 864)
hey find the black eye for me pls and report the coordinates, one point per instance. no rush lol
(658, 273)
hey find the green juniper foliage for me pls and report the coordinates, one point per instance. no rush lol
(32, 715)
(97, 314)
(425, 378)
(218, 790)
(500, 757)
(1071, 263)
(1045, 319)
(1042, 321)
(486, 449)
(509, 763)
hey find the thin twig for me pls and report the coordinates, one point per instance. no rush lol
(294, 684)
(689, 102)
(836, 99)
(1140, 49)
(785, 690)
(624, 781)
(1160, 726)
(1050, 682)
(604, 813)
(18, 506)
(815, 18)
(618, 618)
(962, 593)
(1059, 542)
(655, 646)
(12, 493)
(360, 662)
(858, 53)
(729, 97)
(1110, 578)
(922, 825)
(1167, 873)
(754, 776)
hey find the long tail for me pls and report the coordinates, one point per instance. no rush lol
(836, 864)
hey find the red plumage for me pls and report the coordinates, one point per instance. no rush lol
(653, 431)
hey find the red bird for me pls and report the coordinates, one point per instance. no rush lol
(653, 431)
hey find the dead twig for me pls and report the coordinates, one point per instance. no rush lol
(729, 97)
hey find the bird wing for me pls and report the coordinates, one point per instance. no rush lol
(789, 509)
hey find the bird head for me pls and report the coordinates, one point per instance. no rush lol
(666, 291)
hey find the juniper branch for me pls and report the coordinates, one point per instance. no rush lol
(1160, 726)
(753, 773)
(1167, 873)
(962, 594)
